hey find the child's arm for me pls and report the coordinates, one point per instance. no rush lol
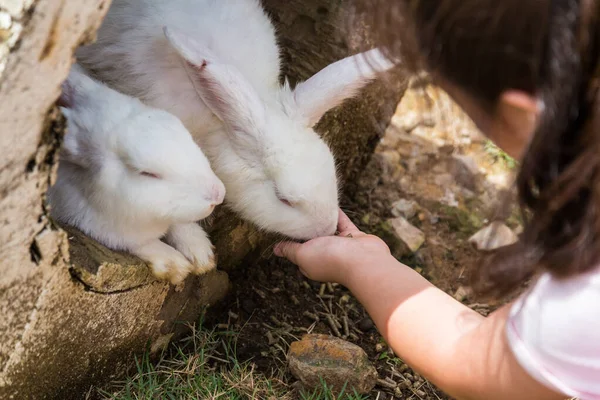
(457, 349)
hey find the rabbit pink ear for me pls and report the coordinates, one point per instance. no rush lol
(76, 89)
(337, 82)
(222, 87)
(66, 98)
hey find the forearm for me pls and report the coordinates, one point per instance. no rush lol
(462, 352)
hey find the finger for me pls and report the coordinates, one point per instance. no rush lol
(345, 226)
(287, 250)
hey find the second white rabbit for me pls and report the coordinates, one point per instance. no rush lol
(129, 175)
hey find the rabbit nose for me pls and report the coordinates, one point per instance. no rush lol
(217, 194)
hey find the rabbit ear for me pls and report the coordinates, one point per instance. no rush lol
(76, 89)
(77, 100)
(338, 82)
(222, 87)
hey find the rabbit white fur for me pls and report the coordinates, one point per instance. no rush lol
(130, 174)
(215, 64)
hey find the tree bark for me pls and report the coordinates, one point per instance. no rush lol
(73, 312)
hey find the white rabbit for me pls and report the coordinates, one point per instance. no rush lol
(215, 64)
(129, 175)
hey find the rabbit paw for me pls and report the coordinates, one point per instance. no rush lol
(193, 243)
(165, 262)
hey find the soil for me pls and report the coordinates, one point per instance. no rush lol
(431, 154)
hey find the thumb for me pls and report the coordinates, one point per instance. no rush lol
(287, 250)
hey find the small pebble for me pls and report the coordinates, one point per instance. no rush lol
(404, 208)
(365, 324)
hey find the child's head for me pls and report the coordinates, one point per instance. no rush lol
(525, 71)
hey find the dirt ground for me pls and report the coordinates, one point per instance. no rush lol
(432, 155)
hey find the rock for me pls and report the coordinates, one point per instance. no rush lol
(404, 208)
(407, 233)
(334, 360)
(493, 236)
(465, 171)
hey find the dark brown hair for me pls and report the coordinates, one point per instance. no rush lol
(547, 48)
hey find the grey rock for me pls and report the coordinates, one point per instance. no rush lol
(404, 208)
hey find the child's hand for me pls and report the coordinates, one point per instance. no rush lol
(332, 258)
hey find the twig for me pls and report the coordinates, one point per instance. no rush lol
(332, 325)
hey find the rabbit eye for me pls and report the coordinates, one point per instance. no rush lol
(282, 198)
(150, 174)
(285, 201)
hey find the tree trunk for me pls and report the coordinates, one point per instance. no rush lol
(73, 311)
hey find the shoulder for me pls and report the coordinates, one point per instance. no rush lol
(554, 332)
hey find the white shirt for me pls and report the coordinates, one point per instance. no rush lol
(554, 332)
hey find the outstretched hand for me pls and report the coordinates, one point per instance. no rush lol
(332, 258)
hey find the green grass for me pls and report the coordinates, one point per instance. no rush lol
(326, 393)
(500, 155)
(204, 366)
